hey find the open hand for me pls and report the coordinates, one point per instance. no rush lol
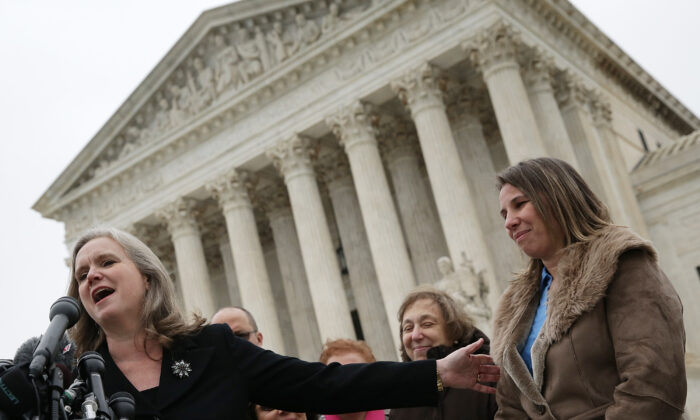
(463, 369)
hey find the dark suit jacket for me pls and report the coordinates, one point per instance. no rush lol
(228, 372)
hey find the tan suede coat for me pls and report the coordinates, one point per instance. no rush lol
(612, 345)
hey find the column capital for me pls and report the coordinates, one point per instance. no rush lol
(537, 71)
(334, 168)
(232, 189)
(421, 88)
(274, 200)
(601, 109)
(398, 138)
(354, 124)
(494, 48)
(293, 156)
(570, 90)
(180, 216)
(146, 233)
(471, 101)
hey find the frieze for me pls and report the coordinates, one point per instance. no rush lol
(225, 61)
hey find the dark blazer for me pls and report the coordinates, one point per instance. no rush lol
(228, 372)
(454, 403)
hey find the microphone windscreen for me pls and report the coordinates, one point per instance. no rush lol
(65, 354)
(17, 396)
(25, 352)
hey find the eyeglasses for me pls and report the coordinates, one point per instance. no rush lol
(244, 334)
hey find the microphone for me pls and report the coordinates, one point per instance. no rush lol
(64, 314)
(64, 359)
(123, 405)
(91, 366)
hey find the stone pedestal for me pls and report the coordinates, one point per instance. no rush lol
(292, 159)
(495, 51)
(231, 190)
(374, 318)
(296, 287)
(353, 127)
(421, 226)
(189, 253)
(419, 90)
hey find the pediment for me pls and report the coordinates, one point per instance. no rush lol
(225, 51)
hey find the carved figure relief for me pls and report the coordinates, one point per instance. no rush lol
(467, 287)
(225, 60)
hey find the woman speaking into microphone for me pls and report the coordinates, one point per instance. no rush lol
(177, 369)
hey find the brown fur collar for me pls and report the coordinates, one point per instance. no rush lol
(584, 273)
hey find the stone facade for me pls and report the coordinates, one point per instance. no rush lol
(312, 160)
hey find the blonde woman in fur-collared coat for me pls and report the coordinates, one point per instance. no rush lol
(592, 328)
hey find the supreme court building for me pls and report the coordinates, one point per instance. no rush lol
(311, 160)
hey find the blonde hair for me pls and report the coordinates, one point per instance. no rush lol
(558, 193)
(161, 317)
(457, 322)
(344, 346)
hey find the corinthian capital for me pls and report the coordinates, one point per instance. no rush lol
(334, 167)
(397, 137)
(494, 48)
(180, 216)
(421, 88)
(293, 156)
(274, 199)
(232, 189)
(601, 109)
(570, 90)
(354, 124)
(537, 71)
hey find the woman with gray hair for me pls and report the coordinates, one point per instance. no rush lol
(177, 369)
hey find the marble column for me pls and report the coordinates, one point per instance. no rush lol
(278, 292)
(374, 319)
(420, 91)
(481, 175)
(538, 78)
(195, 284)
(426, 243)
(234, 292)
(292, 158)
(617, 167)
(573, 98)
(684, 280)
(353, 127)
(495, 51)
(296, 287)
(231, 191)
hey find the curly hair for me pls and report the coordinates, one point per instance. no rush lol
(457, 323)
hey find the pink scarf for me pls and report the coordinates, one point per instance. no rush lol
(371, 415)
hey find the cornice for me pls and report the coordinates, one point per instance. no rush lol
(369, 19)
(670, 163)
(369, 23)
(614, 62)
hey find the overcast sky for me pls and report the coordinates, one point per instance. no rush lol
(68, 65)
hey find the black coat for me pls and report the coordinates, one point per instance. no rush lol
(454, 404)
(228, 372)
